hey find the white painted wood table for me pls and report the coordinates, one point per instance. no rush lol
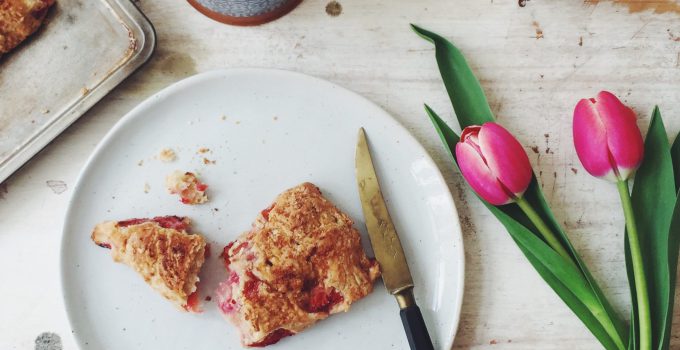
(534, 61)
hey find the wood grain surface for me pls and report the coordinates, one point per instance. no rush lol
(535, 59)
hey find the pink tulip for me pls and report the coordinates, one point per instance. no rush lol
(606, 136)
(494, 163)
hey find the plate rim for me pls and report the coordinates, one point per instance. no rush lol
(456, 234)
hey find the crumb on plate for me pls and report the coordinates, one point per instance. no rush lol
(167, 155)
(190, 189)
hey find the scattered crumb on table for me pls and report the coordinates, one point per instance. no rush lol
(537, 28)
(147, 188)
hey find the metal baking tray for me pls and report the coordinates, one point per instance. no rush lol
(84, 49)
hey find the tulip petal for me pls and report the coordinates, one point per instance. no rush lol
(590, 139)
(624, 138)
(505, 157)
(479, 176)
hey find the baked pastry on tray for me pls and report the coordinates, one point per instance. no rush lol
(162, 251)
(19, 19)
(301, 262)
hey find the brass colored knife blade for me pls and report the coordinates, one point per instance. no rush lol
(383, 236)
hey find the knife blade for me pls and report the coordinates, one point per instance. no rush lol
(387, 247)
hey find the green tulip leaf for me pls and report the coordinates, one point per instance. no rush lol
(673, 248)
(574, 285)
(467, 96)
(654, 202)
(675, 157)
(673, 239)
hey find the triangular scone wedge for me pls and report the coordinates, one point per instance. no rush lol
(162, 251)
(301, 261)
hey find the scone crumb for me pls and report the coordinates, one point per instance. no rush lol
(147, 188)
(203, 150)
(187, 186)
(208, 161)
(140, 163)
(167, 155)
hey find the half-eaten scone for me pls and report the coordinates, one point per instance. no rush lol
(162, 251)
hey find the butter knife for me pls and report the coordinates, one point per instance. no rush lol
(387, 248)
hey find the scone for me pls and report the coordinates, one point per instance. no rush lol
(19, 19)
(162, 251)
(187, 185)
(301, 262)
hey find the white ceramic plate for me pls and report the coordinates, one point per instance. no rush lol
(267, 130)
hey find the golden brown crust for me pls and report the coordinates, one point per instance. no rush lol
(19, 19)
(302, 261)
(307, 235)
(167, 258)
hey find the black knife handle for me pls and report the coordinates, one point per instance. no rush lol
(415, 328)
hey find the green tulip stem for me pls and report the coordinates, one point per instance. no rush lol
(543, 228)
(638, 268)
(556, 245)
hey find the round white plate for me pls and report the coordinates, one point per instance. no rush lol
(267, 131)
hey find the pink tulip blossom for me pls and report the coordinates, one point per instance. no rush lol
(494, 163)
(606, 136)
